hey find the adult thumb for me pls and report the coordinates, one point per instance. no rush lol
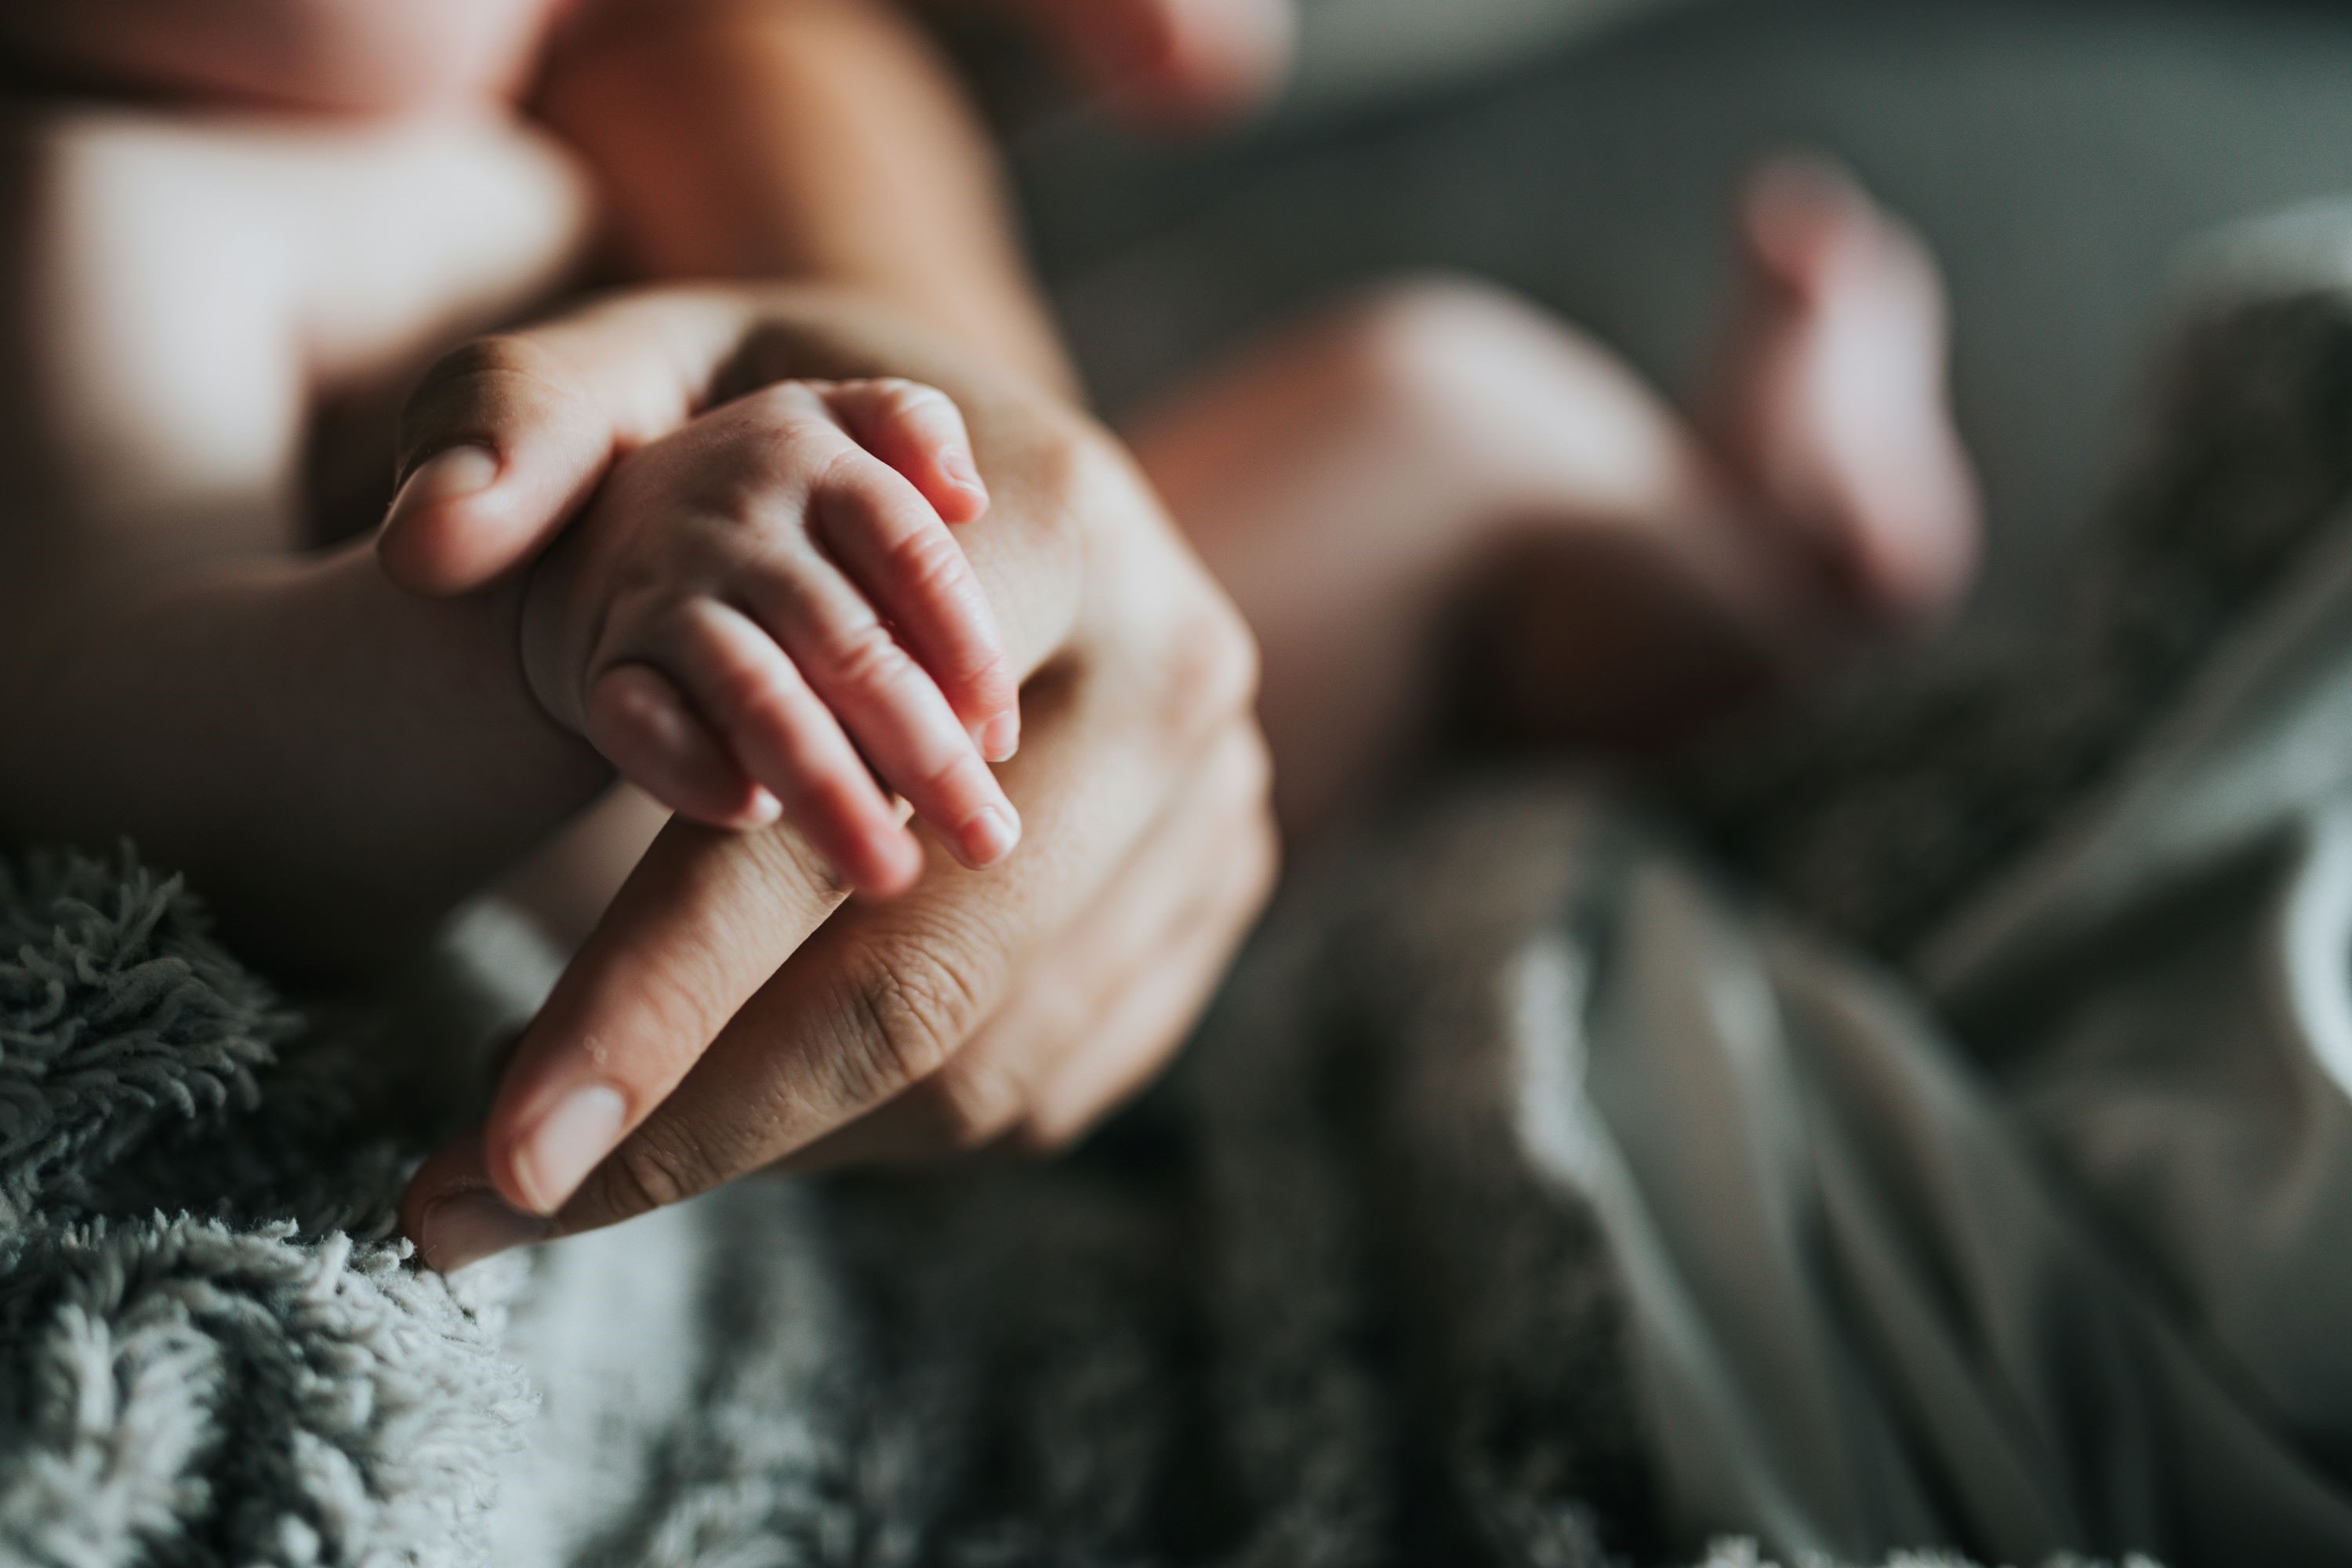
(506, 438)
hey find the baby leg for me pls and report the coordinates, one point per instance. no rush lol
(1443, 458)
(1350, 483)
(1830, 407)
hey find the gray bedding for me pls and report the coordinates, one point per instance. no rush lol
(1827, 1154)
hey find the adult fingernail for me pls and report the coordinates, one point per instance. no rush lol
(569, 1142)
(990, 835)
(467, 1226)
(1001, 738)
(446, 475)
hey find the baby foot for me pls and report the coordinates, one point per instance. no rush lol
(757, 608)
(1834, 410)
(1181, 60)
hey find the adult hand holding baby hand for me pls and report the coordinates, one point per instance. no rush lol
(730, 1014)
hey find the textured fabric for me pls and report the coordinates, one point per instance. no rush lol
(1338, 1297)
(1537, 1195)
(258, 1377)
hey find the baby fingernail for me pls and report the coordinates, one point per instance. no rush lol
(469, 1227)
(990, 835)
(570, 1142)
(963, 471)
(444, 477)
(1001, 738)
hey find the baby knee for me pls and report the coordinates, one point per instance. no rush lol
(1430, 344)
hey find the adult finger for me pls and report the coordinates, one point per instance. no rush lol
(1096, 1016)
(695, 927)
(508, 436)
(881, 998)
(1151, 1019)
(694, 908)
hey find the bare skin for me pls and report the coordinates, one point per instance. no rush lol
(728, 986)
(765, 614)
(1441, 445)
(726, 1016)
(1455, 421)
(152, 573)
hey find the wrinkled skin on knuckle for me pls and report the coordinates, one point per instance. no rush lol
(651, 1170)
(928, 561)
(868, 660)
(914, 1004)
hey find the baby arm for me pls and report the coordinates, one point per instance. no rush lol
(756, 606)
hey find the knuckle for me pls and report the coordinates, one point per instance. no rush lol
(915, 1007)
(648, 1172)
(867, 658)
(901, 399)
(748, 694)
(617, 699)
(931, 564)
(800, 445)
(774, 435)
(962, 775)
(1209, 668)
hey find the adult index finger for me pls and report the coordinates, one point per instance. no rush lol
(703, 923)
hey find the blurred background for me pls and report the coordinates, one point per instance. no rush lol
(2059, 157)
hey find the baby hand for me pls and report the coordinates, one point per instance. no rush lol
(763, 611)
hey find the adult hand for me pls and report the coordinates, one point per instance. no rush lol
(730, 1014)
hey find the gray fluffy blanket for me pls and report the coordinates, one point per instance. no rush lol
(1317, 1303)
(1536, 1195)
